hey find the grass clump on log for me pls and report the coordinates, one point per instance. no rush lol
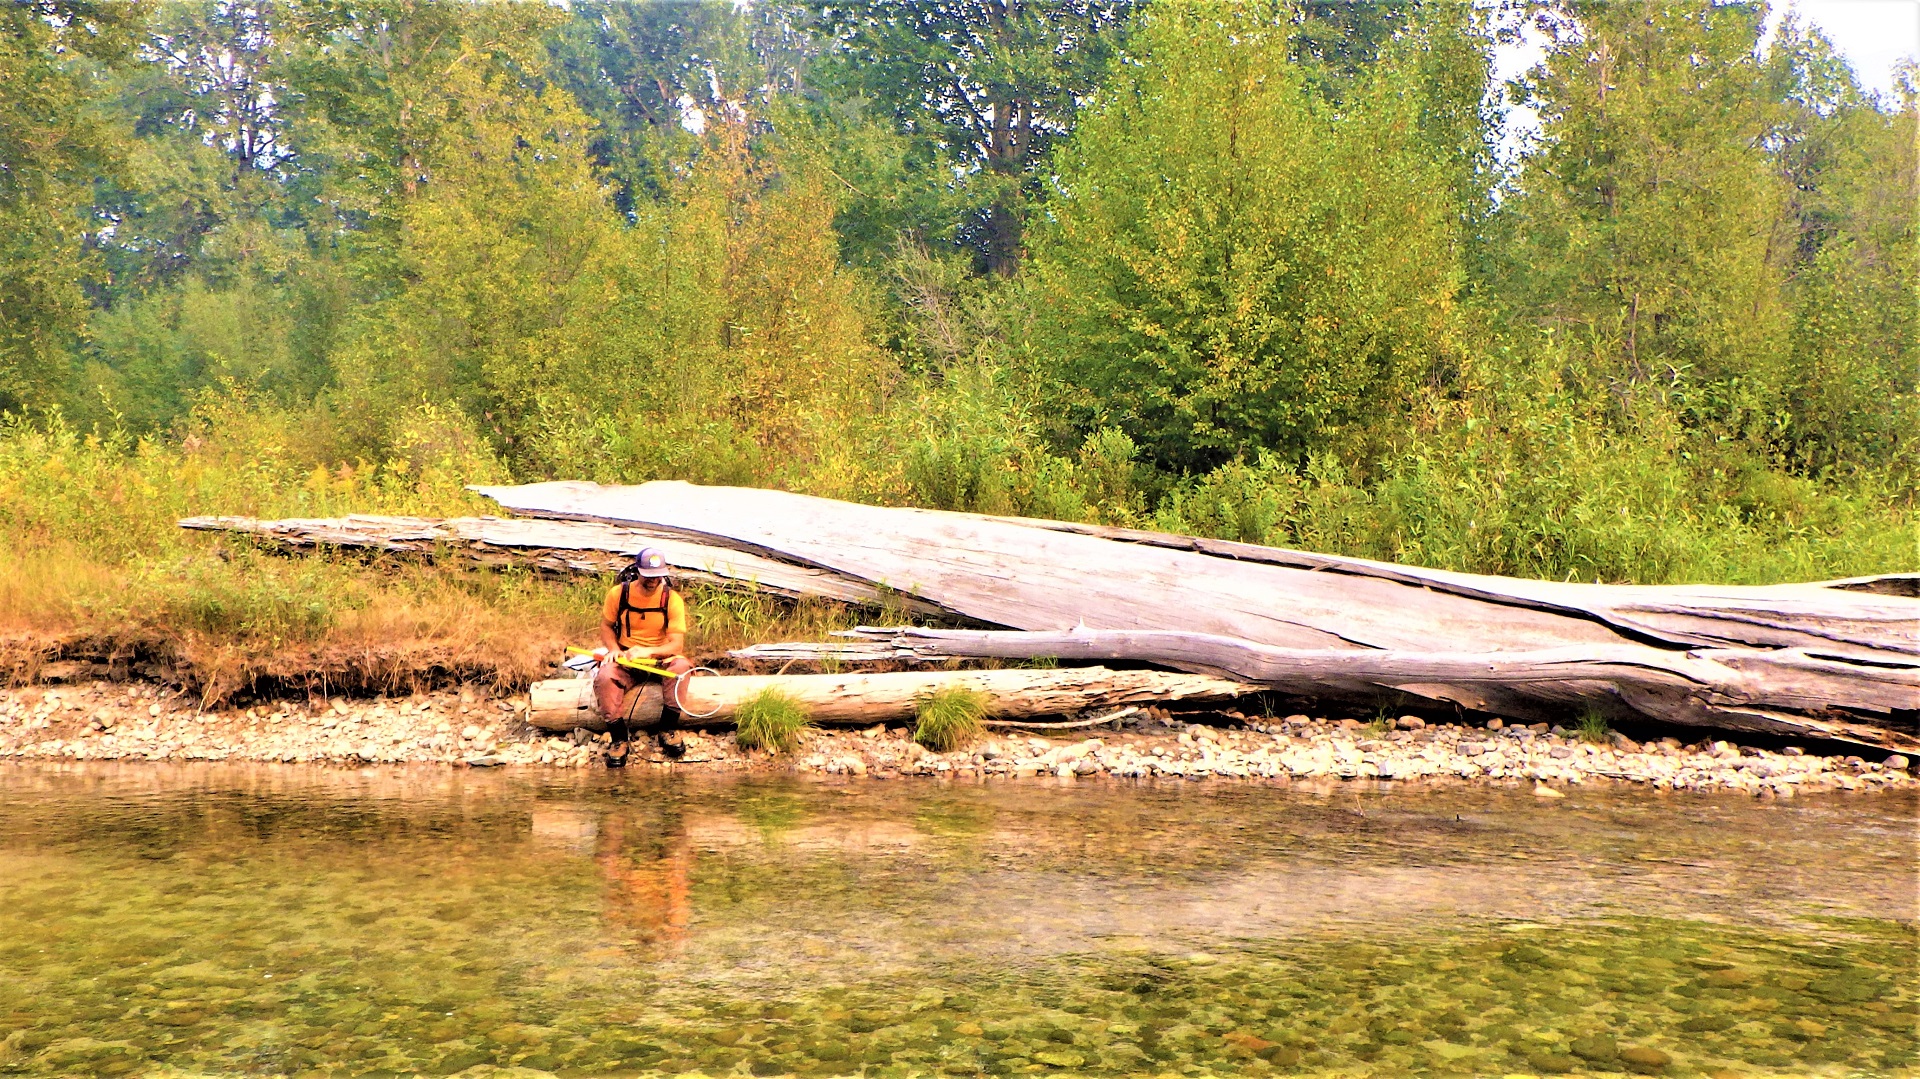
(950, 718)
(771, 721)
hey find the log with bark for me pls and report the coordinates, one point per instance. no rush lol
(562, 704)
(1838, 657)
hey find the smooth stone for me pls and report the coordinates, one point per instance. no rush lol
(1645, 1059)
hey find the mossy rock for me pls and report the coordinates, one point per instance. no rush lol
(1704, 1023)
(1280, 1056)
(1849, 988)
(1598, 1048)
(1552, 1063)
(1645, 1059)
(1060, 1058)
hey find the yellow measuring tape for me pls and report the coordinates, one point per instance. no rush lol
(679, 680)
(636, 664)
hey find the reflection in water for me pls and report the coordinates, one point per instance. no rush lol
(647, 859)
(223, 920)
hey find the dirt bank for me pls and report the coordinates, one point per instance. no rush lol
(139, 720)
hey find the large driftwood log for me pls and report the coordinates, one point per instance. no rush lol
(1783, 691)
(558, 547)
(1861, 638)
(565, 703)
(1049, 575)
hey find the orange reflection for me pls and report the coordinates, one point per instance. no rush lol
(646, 870)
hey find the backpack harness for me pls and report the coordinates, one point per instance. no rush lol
(627, 609)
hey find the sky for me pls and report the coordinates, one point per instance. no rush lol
(1872, 35)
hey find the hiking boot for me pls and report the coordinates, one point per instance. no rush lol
(619, 744)
(672, 744)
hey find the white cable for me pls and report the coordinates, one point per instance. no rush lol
(679, 693)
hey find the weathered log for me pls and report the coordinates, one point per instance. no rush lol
(1847, 648)
(565, 703)
(1050, 575)
(1787, 692)
(559, 547)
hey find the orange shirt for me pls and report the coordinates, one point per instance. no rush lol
(646, 625)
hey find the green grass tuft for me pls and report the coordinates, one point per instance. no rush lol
(950, 718)
(771, 721)
(1593, 728)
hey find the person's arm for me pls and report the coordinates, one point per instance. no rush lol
(675, 644)
(676, 640)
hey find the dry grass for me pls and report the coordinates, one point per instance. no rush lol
(94, 571)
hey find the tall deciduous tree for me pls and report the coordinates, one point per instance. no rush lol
(1233, 264)
(992, 83)
(54, 142)
(1651, 222)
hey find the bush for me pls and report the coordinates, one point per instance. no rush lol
(950, 718)
(771, 721)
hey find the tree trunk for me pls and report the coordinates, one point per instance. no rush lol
(1839, 657)
(1788, 692)
(565, 703)
(561, 548)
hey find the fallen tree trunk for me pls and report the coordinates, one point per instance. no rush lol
(1052, 575)
(1804, 658)
(565, 703)
(1830, 659)
(1790, 692)
(561, 548)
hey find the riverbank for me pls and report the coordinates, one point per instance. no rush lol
(144, 721)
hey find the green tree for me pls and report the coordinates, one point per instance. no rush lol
(1234, 264)
(643, 71)
(1651, 223)
(55, 139)
(1853, 389)
(989, 85)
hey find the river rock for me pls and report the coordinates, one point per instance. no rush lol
(1598, 1048)
(1645, 1059)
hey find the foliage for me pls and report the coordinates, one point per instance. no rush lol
(312, 258)
(1593, 728)
(1232, 261)
(772, 721)
(989, 87)
(950, 718)
(54, 140)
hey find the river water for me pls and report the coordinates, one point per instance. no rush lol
(226, 920)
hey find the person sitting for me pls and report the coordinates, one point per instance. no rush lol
(644, 619)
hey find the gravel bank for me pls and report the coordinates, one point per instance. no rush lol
(107, 721)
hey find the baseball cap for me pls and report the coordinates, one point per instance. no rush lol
(651, 563)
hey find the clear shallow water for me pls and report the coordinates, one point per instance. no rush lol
(215, 920)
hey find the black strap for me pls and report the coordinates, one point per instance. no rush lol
(627, 608)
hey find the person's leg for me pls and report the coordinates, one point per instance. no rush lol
(612, 688)
(610, 685)
(668, 733)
